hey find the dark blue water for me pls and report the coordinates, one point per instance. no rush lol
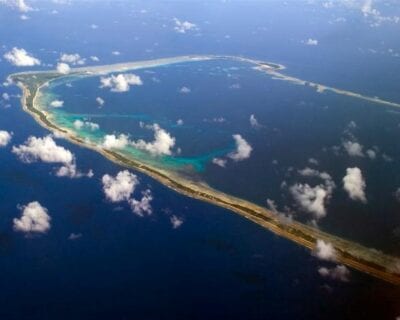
(217, 265)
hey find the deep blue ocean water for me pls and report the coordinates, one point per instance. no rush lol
(216, 265)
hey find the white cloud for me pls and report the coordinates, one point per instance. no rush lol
(142, 206)
(5, 138)
(179, 122)
(161, 145)
(387, 158)
(175, 221)
(120, 187)
(63, 68)
(254, 122)
(311, 42)
(325, 251)
(79, 124)
(311, 199)
(5, 96)
(57, 103)
(73, 58)
(21, 58)
(116, 53)
(371, 154)
(46, 150)
(354, 149)
(366, 7)
(185, 90)
(94, 58)
(34, 219)
(112, 141)
(339, 272)
(397, 194)
(183, 26)
(354, 184)
(75, 236)
(120, 82)
(272, 205)
(219, 162)
(69, 170)
(308, 172)
(19, 5)
(243, 149)
(100, 101)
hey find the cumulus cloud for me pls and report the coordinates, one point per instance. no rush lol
(308, 172)
(79, 124)
(19, 5)
(5, 138)
(120, 82)
(354, 184)
(313, 199)
(397, 194)
(353, 149)
(142, 206)
(325, 251)
(21, 58)
(161, 145)
(75, 236)
(272, 205)
(175, 221)
(46, 150)
(100, 101)
(5, 96)
(219, 162)
(34, 219)
(120, 187)
(43, 149)
(371, 154)
(311, 42)
(73, 58)
(185, 90)
(57, 103)
(243, 149)
(69, 170)
(112, 141)
(339, 272)
(94, 58)
(366, 7)
(63, 68)
(254, 122)
(183, 26)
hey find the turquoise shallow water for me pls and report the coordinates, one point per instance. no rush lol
(64, 118)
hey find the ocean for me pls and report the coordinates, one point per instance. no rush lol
(216, 264)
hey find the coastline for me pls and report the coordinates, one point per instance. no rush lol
(351, 254)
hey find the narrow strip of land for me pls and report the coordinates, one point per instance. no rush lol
(367, 260)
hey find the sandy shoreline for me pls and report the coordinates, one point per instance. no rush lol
(352, 254)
